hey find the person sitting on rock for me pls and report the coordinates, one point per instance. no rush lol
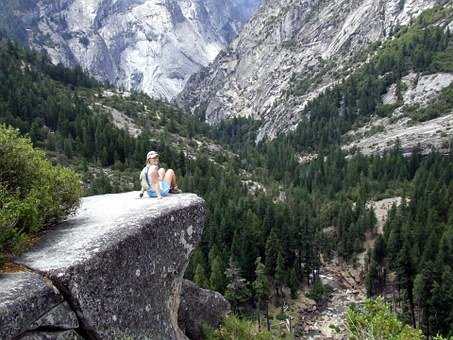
(156, 181)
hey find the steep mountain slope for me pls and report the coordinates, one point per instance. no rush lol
(147, 45)
(288, 54)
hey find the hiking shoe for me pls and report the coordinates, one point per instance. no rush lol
(175, 190)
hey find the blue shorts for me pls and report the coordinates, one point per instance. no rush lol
(164, 189)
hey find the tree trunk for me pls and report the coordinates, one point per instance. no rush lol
(258, 313)
(411, 306)
(267, 317)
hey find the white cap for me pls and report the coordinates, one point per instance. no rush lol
(151, 155)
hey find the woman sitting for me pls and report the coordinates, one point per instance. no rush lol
(156, 181)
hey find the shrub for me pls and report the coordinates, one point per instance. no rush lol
(319, 292)
(234, 328)
(33, 192)
(375, 320)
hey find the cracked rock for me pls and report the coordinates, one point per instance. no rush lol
(28, 301)
(63, 335)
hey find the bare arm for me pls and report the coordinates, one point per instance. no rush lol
(154, 179)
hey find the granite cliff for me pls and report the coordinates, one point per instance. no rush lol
(147, 45)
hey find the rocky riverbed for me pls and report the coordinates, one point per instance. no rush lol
(326, 321)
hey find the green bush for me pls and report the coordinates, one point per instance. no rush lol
(319, 292)
(374, 320)
(234, 328)
(33, 192)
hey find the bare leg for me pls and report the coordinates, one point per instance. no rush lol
(170, 177)
(154, 177)
(161, 174)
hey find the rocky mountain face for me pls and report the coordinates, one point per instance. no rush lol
(289, 53)
(149, 45)
(377, 135)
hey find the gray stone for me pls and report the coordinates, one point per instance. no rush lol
(61, 317)
(200, 306)
(63, 335)
(24, 298)
(119, 262)
(432, 134)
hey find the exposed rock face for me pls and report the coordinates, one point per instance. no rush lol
(118, 263)
(380, 134)
(433, 134)
(149, 45)
(286, 42)
(29, 302)
(421, 89)
(200, 306)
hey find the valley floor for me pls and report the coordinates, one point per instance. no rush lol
(328, 320)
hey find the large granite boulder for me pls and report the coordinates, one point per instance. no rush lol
(119, 263)
(200, 306)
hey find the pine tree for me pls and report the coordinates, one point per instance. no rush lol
(261, 287)
(217, 278)
(200, 277)
(68, 148)
(372, 279)
(280, 274)
(273, 248)
(236, 291)
(293, 283)
(406, 272)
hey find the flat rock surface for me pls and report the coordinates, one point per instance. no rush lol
(120, 260)
(99, 221)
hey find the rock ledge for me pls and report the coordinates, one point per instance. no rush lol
(119, 263)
